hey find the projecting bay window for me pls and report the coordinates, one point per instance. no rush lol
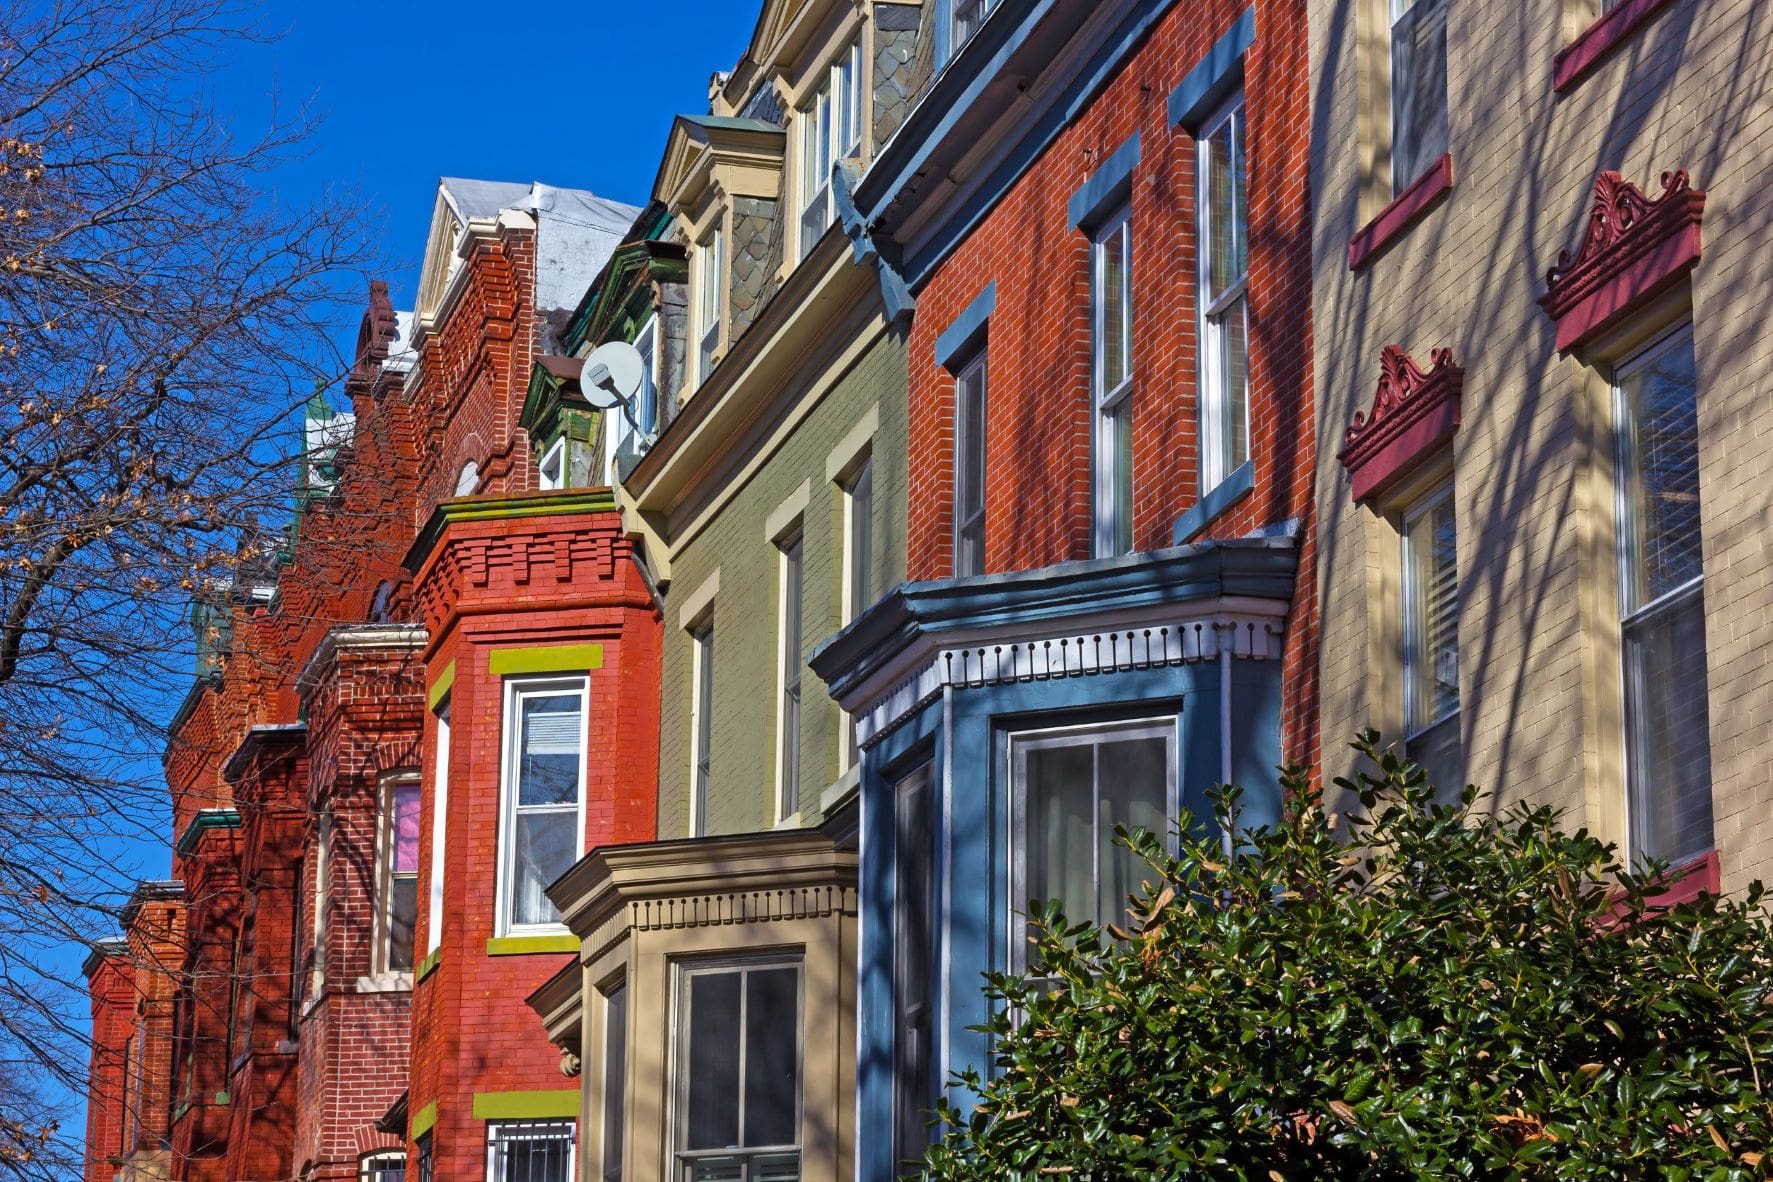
(790, 627)
(1070, 788)
(969, 467)
(1662, 603)
(1111, 382)
(710, 299)
(1223, 259)
(439, 811)
(615, 1078)
(914, 967)
(1431, 642)
(397, 848)
(1418, 88)
(543, 794)
(738, 1072)
(529, 1151)
(701, 723)
(830, 130)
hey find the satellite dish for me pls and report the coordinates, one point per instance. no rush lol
(612, 375)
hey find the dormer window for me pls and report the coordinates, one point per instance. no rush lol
(711, 267)
(830, 130)
(968, 16)
(551, 472)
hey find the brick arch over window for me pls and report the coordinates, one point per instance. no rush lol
(1634, 248)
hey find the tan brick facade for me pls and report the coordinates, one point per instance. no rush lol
(1538, 625)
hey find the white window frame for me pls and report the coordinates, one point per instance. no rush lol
(1111, 406)
(386, 836)
(1166, 727)
(1414, 640)
(371, 1166)
(1626, 548)
(791, 668)
(516, 690)
(701, 721)
(976, 369)
(501, 1132)
(551, 468)
(830, 129)
(684, 971)
(439, 813)
(1218, 404)
(710, 299)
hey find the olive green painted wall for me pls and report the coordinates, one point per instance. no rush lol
(742, 794)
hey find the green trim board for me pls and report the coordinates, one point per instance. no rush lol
(441, 687)
(203, 822)
(544, 504)
(556, 1104)
(552, 658)
(423, 1121)
(531, 945)
(428, 966)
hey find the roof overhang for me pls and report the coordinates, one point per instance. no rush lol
(740, 157)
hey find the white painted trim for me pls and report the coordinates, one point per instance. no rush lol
(857, 442)
(695, 604)
(786, 517)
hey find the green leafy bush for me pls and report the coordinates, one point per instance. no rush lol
(1428, 992)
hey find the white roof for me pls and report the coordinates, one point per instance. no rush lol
(575, 229)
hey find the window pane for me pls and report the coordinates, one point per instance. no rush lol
(788, 722)
(1441, 755)
(548, 767)
(1061, 828)
(862, 539)
(546, 845)
(1660, 405)
(913, 914)
(711, 1109)
(704, 708)
(1669, 721)
(406, 829)
(531, 1151)
(1133, 790)
(1114, 297)
(615, 1078)
(772, 1058)
(1121, 431)
(403, 912)
(1418, 90)
(1225, 207)
(1432, 624)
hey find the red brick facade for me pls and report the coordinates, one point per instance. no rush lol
(1037, 494)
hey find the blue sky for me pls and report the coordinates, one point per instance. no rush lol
(578, 94)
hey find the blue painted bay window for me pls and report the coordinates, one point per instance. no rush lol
(1007, 725)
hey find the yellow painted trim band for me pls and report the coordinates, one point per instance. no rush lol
(423, 1121)
(531, 945)
(553, 1105)
(428, 965)
(553, 658)
(441, 687)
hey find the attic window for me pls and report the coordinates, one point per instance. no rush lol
(830, 129)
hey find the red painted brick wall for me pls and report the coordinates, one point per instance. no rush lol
(112, 990)
(1038, 415)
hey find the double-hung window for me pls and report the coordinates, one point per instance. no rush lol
(1071, 787)
(427, 1156)
(830, 130)
(529, 1151)
(615, 1077)
(398, 846)
(1223, 258)
(701, 723)
(1662, 603)
(544, 780)
(1431, 642)
(710, 300)
(969, 467)
(439, 812)
(382, 1167)
(790, 626)
(1111, 382)
(968, 16)
(738, 1072)
(1418, 88)
(858, 539)
(914, 964)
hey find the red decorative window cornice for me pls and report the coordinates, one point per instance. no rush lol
(1415, 411)
(1633, 249)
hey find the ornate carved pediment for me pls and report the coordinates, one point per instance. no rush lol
(1633, 247)
(1415, 411)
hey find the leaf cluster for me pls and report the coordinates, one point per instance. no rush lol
(1418, 989)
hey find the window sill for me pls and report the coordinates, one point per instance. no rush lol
(532, 945)
(385, 983)
(428, 966)
(1576, 60)
(1422, 195)
(1214, 504)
